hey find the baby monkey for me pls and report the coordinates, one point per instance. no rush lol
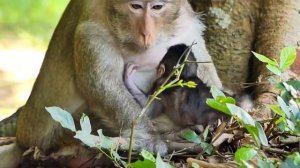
(183, 105)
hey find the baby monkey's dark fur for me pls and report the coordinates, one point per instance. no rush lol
(184, 106)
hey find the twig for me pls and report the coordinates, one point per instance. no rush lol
(198, 62)
(211, 165)
(270, 127)
(220, 131)
(232, 129)
(291, 140)
(276, 150)
(165, 85)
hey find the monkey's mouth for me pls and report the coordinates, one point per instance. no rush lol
(145, 41)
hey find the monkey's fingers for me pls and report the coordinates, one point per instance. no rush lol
(172, 145)
(178, 136)
(130, 69)
(184, 147)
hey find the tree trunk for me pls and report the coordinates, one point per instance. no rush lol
(237, 27)
(229, 36)
(278, 27)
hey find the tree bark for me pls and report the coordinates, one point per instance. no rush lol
(278, 27)
(229, 36)
(237, 27)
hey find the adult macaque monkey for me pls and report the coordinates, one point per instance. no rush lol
(83, 68)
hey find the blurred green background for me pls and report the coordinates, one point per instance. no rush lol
(31, 21)
(26, 27)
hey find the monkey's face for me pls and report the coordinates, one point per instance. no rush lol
(142, 23)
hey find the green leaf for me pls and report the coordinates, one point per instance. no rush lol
(147, 155)
(294, 107)
(276, 109)
(290, 124)
(143, 164)
(261, 134)
(285, 95)
(205, 133)
(293, 161)
(287, 57)
(160, 163)
(244, 154)
(104, 141)
(216, 92)
(191, 136)
(287, 86)
(195, 165)
(191, 84)
(258, 134)
(225, 100)
(218, 106)
(86, 138)
(265, 164)
(274, 69)
(284, 107)
(63, 117)
(208, 148)
(281, 123)
(241, 114)
(264, 59)
(296, 158)
(253, 131)
(117, 157)
(294, 83)
(85, 124)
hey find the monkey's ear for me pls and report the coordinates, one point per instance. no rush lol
(161, 70)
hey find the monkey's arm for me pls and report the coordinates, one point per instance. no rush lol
(99, 69)
(206, 71)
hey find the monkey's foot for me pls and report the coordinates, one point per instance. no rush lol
(143, 140)
(176, 142)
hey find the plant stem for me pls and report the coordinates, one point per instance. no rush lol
(165, 85)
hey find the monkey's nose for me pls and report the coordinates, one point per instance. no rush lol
(146, 37)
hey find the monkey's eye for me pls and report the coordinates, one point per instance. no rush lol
(157, 7)
(136, 6)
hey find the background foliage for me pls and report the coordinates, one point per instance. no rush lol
(32, 21)
(26, 27)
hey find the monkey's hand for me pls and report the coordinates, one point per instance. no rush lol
(144, 140)
(137, 93)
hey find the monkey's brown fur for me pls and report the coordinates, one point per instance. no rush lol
(83, 68)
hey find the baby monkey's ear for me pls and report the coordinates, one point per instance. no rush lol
(161, 70)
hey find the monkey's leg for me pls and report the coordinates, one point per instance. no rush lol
(206, 71)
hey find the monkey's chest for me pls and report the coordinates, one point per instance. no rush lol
(146, 65)
(144, 78)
